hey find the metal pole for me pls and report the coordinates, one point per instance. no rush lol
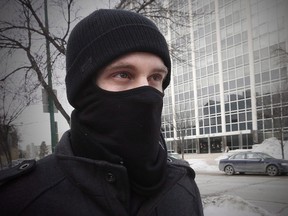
(49, 71)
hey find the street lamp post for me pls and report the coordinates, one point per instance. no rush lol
(49, 71)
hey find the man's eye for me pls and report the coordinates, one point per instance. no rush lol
(122, 75)
(157, 77)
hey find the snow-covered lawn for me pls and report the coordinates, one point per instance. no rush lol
(232, 205)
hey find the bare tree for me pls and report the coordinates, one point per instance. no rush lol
(12, 104)
(157, 10)
(276, 105)
(181, 124)
(26, 35)
(283, 98)
(277, 113)
(282, 122)
(283, 55)
(43, 150)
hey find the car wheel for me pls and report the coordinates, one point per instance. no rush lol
(229, 170)
(272, 170)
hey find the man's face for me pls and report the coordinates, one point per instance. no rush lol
(131, 71)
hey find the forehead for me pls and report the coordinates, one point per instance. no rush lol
(135, 58)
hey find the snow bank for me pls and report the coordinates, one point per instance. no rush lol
(202, 165)
(272, 146)
(227, 204)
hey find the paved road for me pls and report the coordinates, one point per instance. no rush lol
(269, 193)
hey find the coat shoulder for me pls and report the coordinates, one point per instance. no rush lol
(184, 197)
(181, 164)
(25, 167)
(21, 184)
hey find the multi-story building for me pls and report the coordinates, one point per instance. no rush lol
(229, 79)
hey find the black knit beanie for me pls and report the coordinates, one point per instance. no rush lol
(102, 37)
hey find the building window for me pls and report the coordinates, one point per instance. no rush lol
(234, 127)
(265, 76)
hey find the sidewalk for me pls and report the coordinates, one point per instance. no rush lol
(204, 162)
(210, 159)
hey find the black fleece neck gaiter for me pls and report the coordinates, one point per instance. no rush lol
(123, 126)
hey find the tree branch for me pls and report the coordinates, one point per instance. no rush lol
(14, 71)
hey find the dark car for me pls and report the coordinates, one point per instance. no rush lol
(176, 156)
(253, 162)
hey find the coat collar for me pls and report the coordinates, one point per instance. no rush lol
(107, 180)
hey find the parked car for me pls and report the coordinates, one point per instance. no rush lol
(176, 156)
(253, 162)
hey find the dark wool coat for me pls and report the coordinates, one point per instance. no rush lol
(62, 184)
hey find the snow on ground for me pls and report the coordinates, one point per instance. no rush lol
(231, 205)
(224, 204)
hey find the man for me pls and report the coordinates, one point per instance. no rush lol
(113, 161)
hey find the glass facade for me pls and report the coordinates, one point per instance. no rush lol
(229, 78)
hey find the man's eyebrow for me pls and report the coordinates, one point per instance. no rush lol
(119, 65)
(163, 69)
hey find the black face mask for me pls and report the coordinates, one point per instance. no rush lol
(123, 126)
